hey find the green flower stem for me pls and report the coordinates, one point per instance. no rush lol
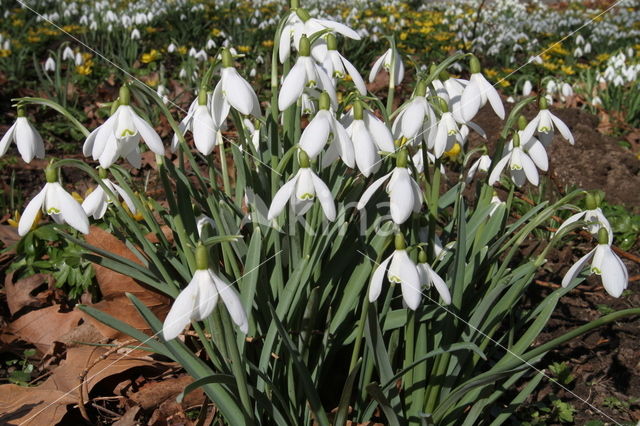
(238, 368)
(224, 170)
(409, 351)
(355, 354)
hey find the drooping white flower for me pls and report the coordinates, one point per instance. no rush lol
(533, 148)
(68, 55)
(414, 116)
(405, 195)
(57, 203)
(429, 277)
(447, 134)
(527, 87)
(521, 167)
(233, 90)
(304, 74)
(197, 301)
(337, 66)
(301, 191)
(593, 216)
(96, 203)
(544, 124)
(200, 121)
(480, 88)
(49, 65)
(135, 34)
(299, 23)
(401, 270)
(604, 262)
(26, 138)
(482, 164)
(120, 134)
(369, 135)
(316, 135)
(391, 61)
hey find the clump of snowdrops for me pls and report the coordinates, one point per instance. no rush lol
(331, 272)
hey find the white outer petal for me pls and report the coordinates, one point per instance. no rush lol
(6, 139)
(239, 92)
(232, 302)
(219, 106)
(376, 67)
(148, 134)
(529, 168)
(292, 86)
(440, 286)
(401, 196)
(325, 197)
(572, 219)
(95, 203)
(375, 285)
(614, 273)
(379, 131)
(563, 129)
(576, 268)
(204, 130)
(72, 212)
(315, 135)
(358, 81)
(282, 196)
(406, 270)
(179, 315)
(497, 170)
(366, 195)
(31, 211)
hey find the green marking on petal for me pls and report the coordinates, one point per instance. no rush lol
(595, 270)
(307, 196)
(127, 132)
(395, 279)
(53, 210)
(516, 167)
(544, 129)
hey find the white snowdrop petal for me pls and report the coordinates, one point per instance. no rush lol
(401, 196)
(563, 129)
(282, 196)
(614, 273)
(6, 139)
(440, 286)
(368, 193)
(233, 304)
(179, 315)
(315, 135)
(204, 130)
(325, 197)
(576, 268)
(30, 213)
(292, 86)
(375, 286)
(149, 135)
(497, 170)
(71, 210)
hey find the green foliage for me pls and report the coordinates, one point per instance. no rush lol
(20, 370)
(562, 373)
(44, 250)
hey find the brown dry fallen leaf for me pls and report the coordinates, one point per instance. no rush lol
(114, 285)
(8, 235)
(41, 327)
(19, 293)
(46, 404)
(152, 394)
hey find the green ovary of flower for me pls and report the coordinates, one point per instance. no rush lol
(596, 271)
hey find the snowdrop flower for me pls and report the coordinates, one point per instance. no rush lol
(478, 92)
(429, 277)
(594, 217)
(526, 88)
(26, 138)
(495, 204)
(301, 23)
(57, 203)
(369, 135)
(171, 48)
(202, 221)
(521, 166)
(482, 164)
(604, 262)
(566, 91)
(316, 134)
(391, 61)
(543, 125)
(254, 133)
(67, 54)
(301, 190)
(120, 134)
(197, 301)
(49, 65)
(96, 203)
(447, 132)
(201, 122)
(400, 270)
(135, 34)
(414, 116)
(79, 59)
(404, 193)
(337, 66)
(304, 74)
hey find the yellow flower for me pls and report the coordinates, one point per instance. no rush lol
(182, 50)
(215, 32)
(86, 68)
(244, 48)
(4, 53)
(152, 56)
(77, 197)
(403, 36)
(567, 70)
(267, 43)
(454, 152)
